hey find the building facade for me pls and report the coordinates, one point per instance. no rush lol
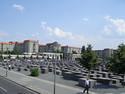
(30, 47)
(7, 46)
(71, 53)
(53, 47)
(73, 50)
(104, 54)
(49, 50)
(42, 48)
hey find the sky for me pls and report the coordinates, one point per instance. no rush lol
(100, 23)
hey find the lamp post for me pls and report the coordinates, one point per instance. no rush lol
(54, 87)
(6, 71)
(6, 65)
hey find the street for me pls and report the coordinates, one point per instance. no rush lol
(9, 87)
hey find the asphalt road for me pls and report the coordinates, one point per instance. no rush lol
(9, 87)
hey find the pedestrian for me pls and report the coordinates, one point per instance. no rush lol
(9, 67)
(87, 85)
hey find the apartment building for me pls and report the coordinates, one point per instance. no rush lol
(104, 54)
(7, 46)
(53, 47)
(71, 52)
(49, 50)
(30, 46)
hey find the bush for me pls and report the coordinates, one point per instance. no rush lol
(35, 72)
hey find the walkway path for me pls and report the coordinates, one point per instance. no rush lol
(40, 85)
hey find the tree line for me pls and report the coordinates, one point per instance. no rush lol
(115, 64)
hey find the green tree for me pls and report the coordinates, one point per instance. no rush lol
(88, 58)
(37, 57)
(17, 57)
(16, 52)
(31, 57)
(116, 63)
(35, 72)
(1, 57)
(24, 57)
(61, 57)
(9, 57)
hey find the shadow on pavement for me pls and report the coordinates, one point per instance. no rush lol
(102, 86)
(79, 93)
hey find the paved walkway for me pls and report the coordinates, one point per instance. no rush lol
(40, 85)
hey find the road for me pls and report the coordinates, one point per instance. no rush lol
(9, 87)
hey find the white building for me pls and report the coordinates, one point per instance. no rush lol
(30, 47)
(71, 52)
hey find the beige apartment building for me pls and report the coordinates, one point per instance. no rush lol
(32, 47)
(71, 53)
(28, 46)
(50, 49)
(104, 54)
(7, 46)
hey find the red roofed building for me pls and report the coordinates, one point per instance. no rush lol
(28, 46)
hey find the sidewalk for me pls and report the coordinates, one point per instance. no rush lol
(40, 85)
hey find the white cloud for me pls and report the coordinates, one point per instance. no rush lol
(18, 7)
(116, 25)
(107, 17)
(85, 19)
(60, 33)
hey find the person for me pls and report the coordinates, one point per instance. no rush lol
(9, 67)
(87, 83)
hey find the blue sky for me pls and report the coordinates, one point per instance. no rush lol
(70, 22)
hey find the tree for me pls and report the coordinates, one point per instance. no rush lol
(17, 57)
(61, 57)
(88, 58)
(116, 63)
(31, 57)
(24, 57)
(35, 72)
(1, 57)
(9, 57)
(16, 52)
(37, 57)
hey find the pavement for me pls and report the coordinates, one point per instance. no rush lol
(9, 87)
(44, 84)
(40, 85)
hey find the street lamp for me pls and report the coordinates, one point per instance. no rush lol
(54, 87)
(6, 65)
(6, 71)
